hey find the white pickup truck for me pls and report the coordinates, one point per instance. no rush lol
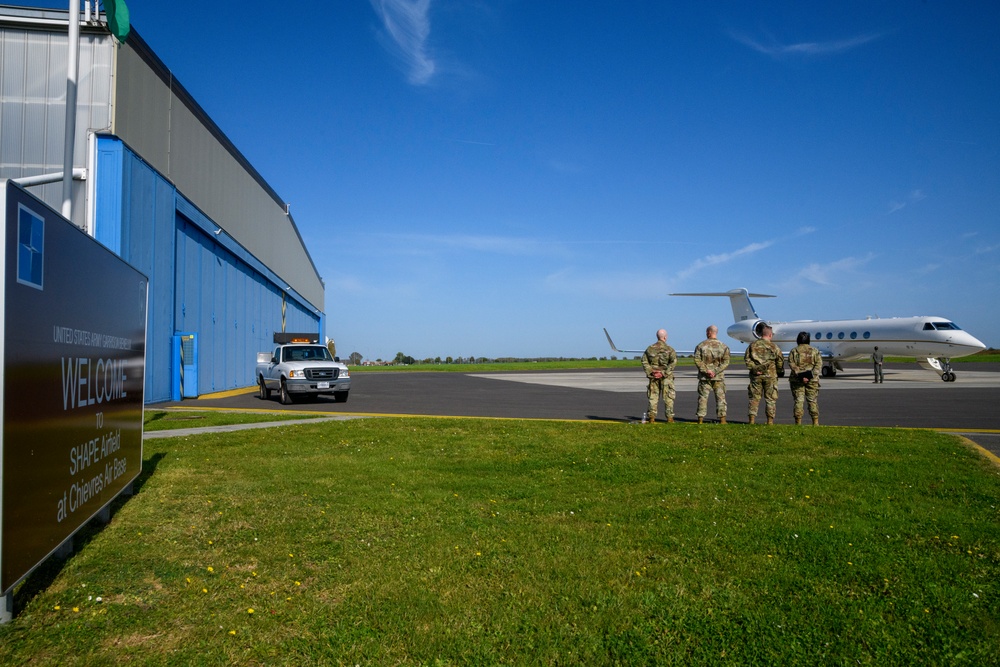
(301, 369)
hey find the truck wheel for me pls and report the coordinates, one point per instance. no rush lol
(286, 398)
(264, 393)
(340, 397)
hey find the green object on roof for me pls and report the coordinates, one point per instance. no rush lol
(117, 13)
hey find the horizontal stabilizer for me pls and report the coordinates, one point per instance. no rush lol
(739, 299)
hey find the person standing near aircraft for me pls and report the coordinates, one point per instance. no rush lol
(806, 363)
(658, 361)
(877, 360)
(766, 364)
(712, 358)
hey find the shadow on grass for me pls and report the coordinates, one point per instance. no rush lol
(43, 576)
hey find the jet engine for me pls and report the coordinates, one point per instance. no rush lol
(747, 331)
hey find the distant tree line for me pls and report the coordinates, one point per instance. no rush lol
(402, 359)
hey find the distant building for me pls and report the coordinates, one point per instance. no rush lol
(166, 190)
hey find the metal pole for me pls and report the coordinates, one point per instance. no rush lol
(72, 73)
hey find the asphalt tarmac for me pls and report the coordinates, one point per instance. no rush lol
(909, 397)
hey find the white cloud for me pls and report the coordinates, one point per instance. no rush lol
(723, 258)
(928, 268)
(500, 245)
(912, 198)
(777, 50)
(408, 26)
(611, 285)
(832, 273)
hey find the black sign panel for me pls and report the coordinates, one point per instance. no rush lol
(73, 351)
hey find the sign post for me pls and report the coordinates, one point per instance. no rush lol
(72, 344)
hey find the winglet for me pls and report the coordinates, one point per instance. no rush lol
(612, 344)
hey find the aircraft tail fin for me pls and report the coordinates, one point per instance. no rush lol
(739, 299)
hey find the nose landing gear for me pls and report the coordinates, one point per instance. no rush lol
(947, 374)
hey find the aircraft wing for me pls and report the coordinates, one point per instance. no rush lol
(680, 353)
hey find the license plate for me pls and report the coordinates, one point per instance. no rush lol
(322, 385)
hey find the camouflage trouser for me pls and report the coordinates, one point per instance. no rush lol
(768, 387)
(707, 386)
(663, 387)
(805, 394)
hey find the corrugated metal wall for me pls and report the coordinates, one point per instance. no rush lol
(33, 105)
(197, 284)
(163, 123)
(163, 186)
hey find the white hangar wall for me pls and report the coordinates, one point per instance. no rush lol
(167, 191)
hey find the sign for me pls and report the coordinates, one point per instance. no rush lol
(72, 342)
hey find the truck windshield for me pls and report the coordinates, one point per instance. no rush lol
(307, 353)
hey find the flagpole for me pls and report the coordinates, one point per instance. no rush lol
(72, 74)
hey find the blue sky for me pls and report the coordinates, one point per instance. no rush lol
(505, 178)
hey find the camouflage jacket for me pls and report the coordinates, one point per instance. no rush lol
(659, 357)
(805, 358)
(764, 359)
(711, 355)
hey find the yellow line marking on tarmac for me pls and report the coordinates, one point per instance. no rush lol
(967, 430)
(993, 458)
(230, 392)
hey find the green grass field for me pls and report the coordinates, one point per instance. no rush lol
(465, 541)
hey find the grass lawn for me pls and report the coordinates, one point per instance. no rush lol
(465, 541)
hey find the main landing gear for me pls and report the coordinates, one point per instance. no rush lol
(830, 369)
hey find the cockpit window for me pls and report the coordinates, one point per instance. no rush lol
(946, 326)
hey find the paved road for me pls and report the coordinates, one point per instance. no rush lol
(909, 397)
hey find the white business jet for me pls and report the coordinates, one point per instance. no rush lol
(932, 341)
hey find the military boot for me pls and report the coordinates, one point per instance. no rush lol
(815, 421)
(670, 420)
(798, 419)
(652, 420)
(770, 421)
(701, 420)
(722, 420)
(753, 419)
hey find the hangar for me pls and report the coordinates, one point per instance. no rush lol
(160, 184)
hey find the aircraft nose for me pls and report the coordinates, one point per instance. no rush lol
(965, 339)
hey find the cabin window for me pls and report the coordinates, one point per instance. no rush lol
(829, 335)
(841, 335)
(854, 335)
(818, 335)
(866, 335)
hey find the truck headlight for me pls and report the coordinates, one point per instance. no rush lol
(345, 373)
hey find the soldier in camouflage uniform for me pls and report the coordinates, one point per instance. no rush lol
(766, 364)
(806, 364)
(712, 358)
(658, 361)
